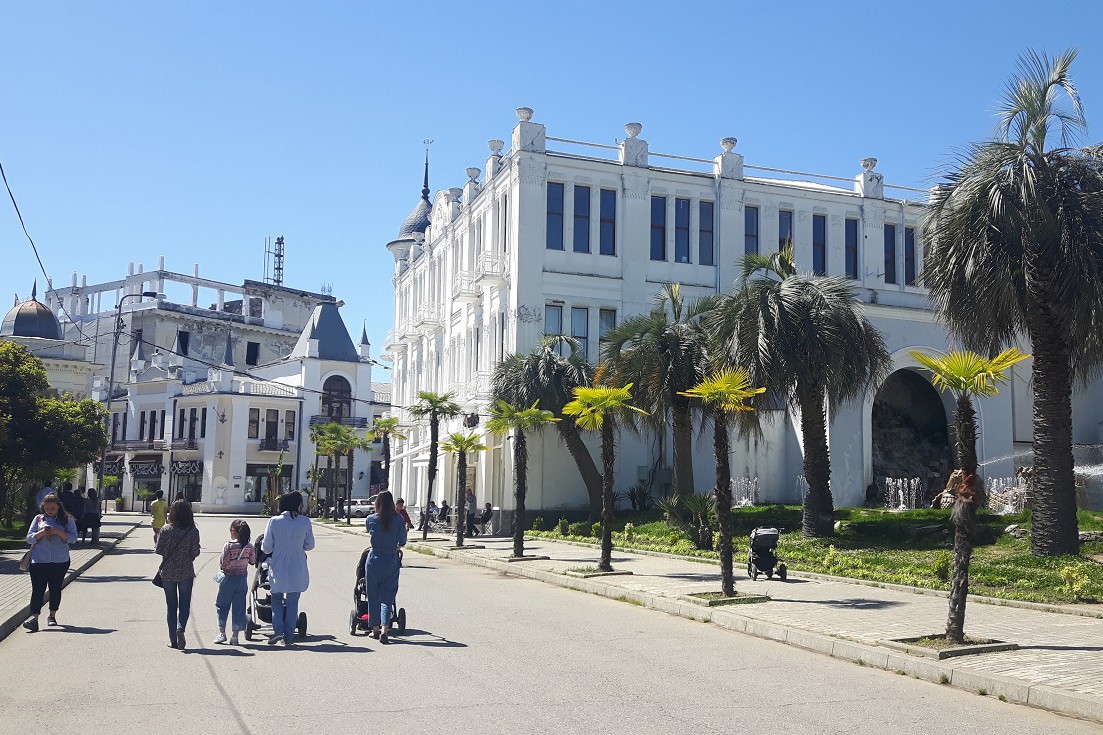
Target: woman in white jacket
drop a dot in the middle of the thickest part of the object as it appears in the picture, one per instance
(287, 538)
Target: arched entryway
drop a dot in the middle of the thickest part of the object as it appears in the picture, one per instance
(336, 398)
(911, 436)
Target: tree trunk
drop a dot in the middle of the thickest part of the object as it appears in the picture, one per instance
(723, 490)
(1052, 489)
(964, 515)
(818, 516)
(521, 485)
(461, 501)
(434, 429)
(330, 481)
(608, 460)
(568, 431)
(683, 447)
(348, 489)
(386, 462)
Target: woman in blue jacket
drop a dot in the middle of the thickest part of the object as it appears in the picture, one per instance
(287, 538)
(388, 533)
(50, 534)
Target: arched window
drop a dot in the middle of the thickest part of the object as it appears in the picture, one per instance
(336, 398)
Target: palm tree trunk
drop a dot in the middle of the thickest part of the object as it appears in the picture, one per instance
(521, 484)
(608, 460)
(723, 490)
(434, 433)
(329, 484)
(1052, 489)
(386, 462)
(348, 489)
(964, 516)
(683, 447)
(461, 500)
(818, 516)
(568, 431)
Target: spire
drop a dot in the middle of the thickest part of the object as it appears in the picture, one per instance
(228, 358)
(364, 335)
(34, 288)
(425, 183)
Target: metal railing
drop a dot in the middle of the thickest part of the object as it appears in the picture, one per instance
(463, 287)
(274, 445)
(176, 444)
(428, 317)
(357, 422)
(490, 266)
(132, 444)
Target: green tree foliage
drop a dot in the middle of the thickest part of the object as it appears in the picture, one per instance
(461, 445)
(508, 418)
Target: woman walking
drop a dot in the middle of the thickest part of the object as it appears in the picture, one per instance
(287, 538)
(92, 516)
(50, 534)
(178, 545)
(237, 555)
(388, 533)
(157, 510)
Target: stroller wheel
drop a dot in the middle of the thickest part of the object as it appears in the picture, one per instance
(402, 619)
(782, 572)
(249, 628)
(352, 623)
(769, 574)
(300, 626)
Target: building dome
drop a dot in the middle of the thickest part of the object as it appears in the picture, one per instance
(32, 318)
(418, 220)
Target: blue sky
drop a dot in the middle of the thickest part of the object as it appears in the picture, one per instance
(195, 130)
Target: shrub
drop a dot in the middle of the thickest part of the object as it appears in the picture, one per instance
(629, 533)
(582, 528)
(564, 527)
(595, 530)
(538, 523)
(683, 546)
(942, 566)
(832, 560)
(1075, 581)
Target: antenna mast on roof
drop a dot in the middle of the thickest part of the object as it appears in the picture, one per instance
(273, 258)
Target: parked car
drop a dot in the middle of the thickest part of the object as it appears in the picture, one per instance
(361, 507)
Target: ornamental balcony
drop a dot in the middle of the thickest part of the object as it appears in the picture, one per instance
(428, 318)
(464, 289)
(356, 422)
(392, 343)
(132, 445)
(164, 444)
(408, 330)
(491, 269)
(273, 445)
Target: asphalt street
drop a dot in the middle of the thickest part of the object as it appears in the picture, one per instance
(484, 653)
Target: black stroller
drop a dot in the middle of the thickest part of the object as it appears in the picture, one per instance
(259, 604)
(763, 555)
(360, 615)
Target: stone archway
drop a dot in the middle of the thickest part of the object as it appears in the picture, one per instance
(911, 436)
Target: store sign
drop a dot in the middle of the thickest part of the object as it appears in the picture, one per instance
(187, 467)
(146, 469)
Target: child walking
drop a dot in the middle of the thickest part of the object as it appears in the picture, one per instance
(237, 555)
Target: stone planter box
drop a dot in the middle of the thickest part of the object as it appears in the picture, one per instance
(588, 575)
(740, 598)
(526, 557)
(907, 645)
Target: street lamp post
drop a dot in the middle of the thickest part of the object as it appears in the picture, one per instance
(111, 382)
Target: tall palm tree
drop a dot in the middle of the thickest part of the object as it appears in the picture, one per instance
(1016, 248)
(724, 392)
(804, 338)
(664, 353)
(325, 438)
(386, 428)
(545, 375)
(461, 444)
(433, 406)
(596, 409)
(347, 442)
(966, 374)
(504, 419)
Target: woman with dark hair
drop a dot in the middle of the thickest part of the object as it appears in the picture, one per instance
(178, 545)
(49, 535)
(388, 533)
(92, 516)
(287, 538)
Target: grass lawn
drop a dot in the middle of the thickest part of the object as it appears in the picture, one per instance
(910, 547)
(13, 537)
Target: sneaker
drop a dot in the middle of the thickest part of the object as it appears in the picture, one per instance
(384, 638)
(51, 620)
(180, 640)
(275, 639)
(234, 641)
(31, 624)
(220, 638)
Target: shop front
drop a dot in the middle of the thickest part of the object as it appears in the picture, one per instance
(146, 474)
(258, 481)
(187, 479)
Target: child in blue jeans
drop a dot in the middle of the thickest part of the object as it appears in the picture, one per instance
(237, 555)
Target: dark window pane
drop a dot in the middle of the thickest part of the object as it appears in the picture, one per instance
(658, 228)
(750, 230)
(582, 219)
(784, 229)
(890, 253)
(608, 222)
(254, 423)
(553, 320)
(607, 319)
(681, 230)
(203, 424)
(252, 353)
(909, 256)
(580, 329)
(706, 228)
(555, 216)
(852, 248)
(183, 340)
(819, 244)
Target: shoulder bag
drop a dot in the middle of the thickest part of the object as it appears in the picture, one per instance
(157, 580)
(25, 562)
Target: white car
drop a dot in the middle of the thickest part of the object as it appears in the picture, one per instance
(361, 507)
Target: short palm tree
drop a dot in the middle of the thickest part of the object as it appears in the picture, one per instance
(596, 409)
(506, 418)
(966, 374)
(461, 444)
(1016, 248)
(724, 392)
(805, 338)
(348, 444)
(386, 428)
(545, 375)
(434, 407)
(663, 353)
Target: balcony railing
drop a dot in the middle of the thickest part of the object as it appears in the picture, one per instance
(393, 342)
(274, 445)
(130, 445)
(491, 268)
(428, 318)
(409, 330)
(463, 287)
(176, 444)
(356, 422)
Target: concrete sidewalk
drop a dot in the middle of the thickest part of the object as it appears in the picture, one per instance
(15, 586)
(1059, 665)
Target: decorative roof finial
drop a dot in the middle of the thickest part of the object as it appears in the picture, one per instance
(425, 184)
(34, 291)
(869, 163)
(364, 334)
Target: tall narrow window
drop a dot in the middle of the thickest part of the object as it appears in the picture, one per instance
(114, 427)
(555, 216)
(681, 230)
(608, 222)
(142, 425)
(501, 337)
(203, 423)
(909, 256)
(161, 427)
(180, 429)
(890, 253)
(581, 219)
(553, 323)
(289, 425)
(192, 418)
(706, 227)
(183, 341)
(254, 423)
(658, 228)
(271, 423)
(750, 230)
(252, 353)
(580, 330)
(852, 248)
(819, 244)
(607, 319)
(784, 229)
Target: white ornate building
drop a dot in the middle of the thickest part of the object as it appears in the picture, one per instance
(565, 237)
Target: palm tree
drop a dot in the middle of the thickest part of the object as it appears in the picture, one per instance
(506, 418)
(1016, 248)
(804, 338)
(435, 407)
(596, 409)
(724, 392)
(460, 444)
(546, 376)
(325, 438)
(346, 442)
(386, 428)
(966, 374)
(664, 353)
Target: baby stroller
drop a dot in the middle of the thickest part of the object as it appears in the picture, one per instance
(259, 605)
(763, 554)
(360, 615)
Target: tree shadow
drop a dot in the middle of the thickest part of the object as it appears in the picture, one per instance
(84, 630)
(1061, 648)
(228, 651)
(125, 551)
(114, 578)
(853, 603)
(326, 644)
(435, 641)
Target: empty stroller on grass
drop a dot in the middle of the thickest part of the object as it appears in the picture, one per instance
(259, 604)
(360, 615)
(763, 555)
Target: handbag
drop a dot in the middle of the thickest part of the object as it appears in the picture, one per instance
(25, 562)
(158, 581)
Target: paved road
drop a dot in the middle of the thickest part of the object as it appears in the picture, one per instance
(492, 654)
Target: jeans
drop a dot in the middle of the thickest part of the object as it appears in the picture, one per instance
(50, 575)
(178, 602)
(231, 596)
(381, 587)
(285, 612)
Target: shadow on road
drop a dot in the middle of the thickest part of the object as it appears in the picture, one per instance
(115, 578)
(84, 630)
(228, 651)
(435, 641)
(855, 603)
(1061, 648)
(121, 551)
